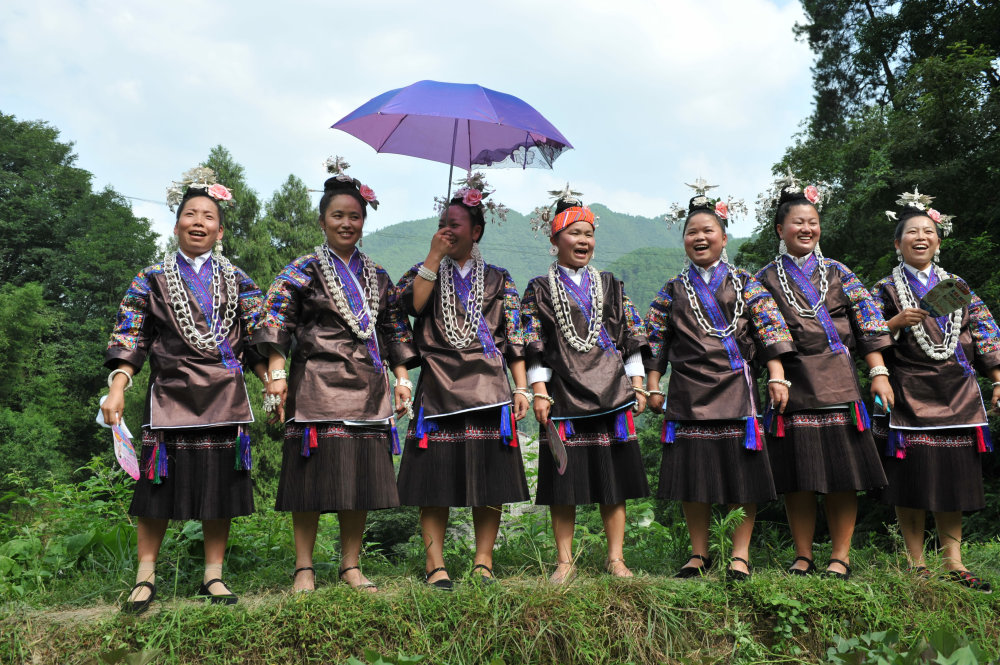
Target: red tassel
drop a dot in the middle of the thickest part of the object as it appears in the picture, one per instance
(562, 430)
(760, 434)
(313, 443)
(631, 423)
(423, 442)
(857, 418)
(513, 431)
(781, 426)
(980, 441)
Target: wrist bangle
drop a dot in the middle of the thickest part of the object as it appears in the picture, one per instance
(426, 273)
(878, 370)
(786, 383)
(655, 392)
(641, 391)
(111, 378)
(996, 384)
(545, 397)
(406, 383)
(278, 374)
(524, 391)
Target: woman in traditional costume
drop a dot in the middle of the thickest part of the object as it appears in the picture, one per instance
(462, 448)
(589, 384)
(341, 311)
(715, 325)
(823, 442)
(937, 427)
(192, 316)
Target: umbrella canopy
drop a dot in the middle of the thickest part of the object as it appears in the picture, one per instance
(464, 125)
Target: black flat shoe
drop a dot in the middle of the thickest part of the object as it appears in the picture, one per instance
(136, 607)
(967, 579)
(359, 587)
(733, 575)
(216, 599)
(695, 571)
(444, 584)
(485, 579)
(809, 569)
(840, 576)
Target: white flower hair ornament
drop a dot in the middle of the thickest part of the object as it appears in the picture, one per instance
(337, 167)
(922, 202)
(543, 216)
(200, 177)
(473, 191)
(787, 184)
(724, 208)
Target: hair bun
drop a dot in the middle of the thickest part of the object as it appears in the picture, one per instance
(792, 193)
(341, 182)
(566, 204)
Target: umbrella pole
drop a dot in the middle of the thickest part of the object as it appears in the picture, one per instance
(451, 164)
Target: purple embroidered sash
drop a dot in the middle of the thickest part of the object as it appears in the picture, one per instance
(200, 284)
(706, 295)
(356, 299)
(463, 288)
(581, 296)
(942, 321)
(801, 279)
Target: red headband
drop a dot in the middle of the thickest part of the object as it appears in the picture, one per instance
(571, 215)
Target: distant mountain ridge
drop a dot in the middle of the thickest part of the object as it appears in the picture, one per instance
(642, 251)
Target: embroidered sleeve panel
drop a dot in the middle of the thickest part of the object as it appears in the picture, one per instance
(635, 327)
(404, 291)
(657, 326)
(880, 292)
(772, 331)
(512, 316)
(984, 331)
(395, 330)
(251, 315)
(867, 314)
(131, 337)
(531, 323)
(279, 316)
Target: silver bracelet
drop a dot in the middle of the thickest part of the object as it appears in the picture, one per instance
(406, 383)
(111, 377)
(878, 370)
(545, 397)
(996, 383)
(656, 392)
(784, 382)
(278, 374)
(426, 273)
(524, 391)
(642, 391)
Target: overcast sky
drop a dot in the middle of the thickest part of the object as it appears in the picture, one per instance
(651, 93)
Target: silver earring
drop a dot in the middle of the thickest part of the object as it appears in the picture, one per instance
(724, 257)
(782, 247)
(937, 255)
(899, 256)
(553, 250)
(217, 250)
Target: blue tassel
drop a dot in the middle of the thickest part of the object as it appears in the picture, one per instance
(751, 441)
(895, 444)
(161, 462)
(768, 417)
(395, 440)
(983, 439)
(305, 442)
(669, 430)
(243, 459)
(621, 426)
(864, 415)
(505, 432)
(421, 425)
(568, 428)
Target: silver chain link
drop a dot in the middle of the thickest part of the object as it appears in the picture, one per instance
(824, 286)
(560, 303)
(336, 286)
(222, 270)
(696, 304)
(461, 335)
(952, 329)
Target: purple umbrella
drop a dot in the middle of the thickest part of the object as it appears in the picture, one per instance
(460, 124)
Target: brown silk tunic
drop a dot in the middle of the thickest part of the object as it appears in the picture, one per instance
(932, 394)
(703, 385)
(188, 387)
(583, 384)
(819, 376)
(454, 380)
(332, 376)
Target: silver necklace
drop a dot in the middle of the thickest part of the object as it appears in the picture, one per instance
(696, 304)
(560, 303)
(461, 335)
(222, 270)
(336, 286)
(824, 286)
(952, 329)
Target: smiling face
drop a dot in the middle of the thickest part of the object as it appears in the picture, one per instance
(800, 229)
(575, 245)
(918, 241)
(198, 226)
(460, 231)
(342, 224)
(704, 239)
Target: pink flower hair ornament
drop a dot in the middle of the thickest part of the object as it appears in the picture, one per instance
(200, 177)
(337, 167)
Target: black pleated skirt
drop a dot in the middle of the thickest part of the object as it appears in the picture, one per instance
(942, 470)
(465, 463)
(708, 463)
(823, 451)
(202, 482)
(601, 468)
(350, 469)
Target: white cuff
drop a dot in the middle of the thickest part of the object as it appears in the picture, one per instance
(634, 366)
(539, 373)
